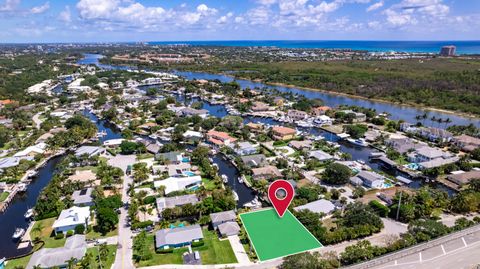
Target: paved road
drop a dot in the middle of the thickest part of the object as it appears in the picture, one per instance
(36, 119)
(459, 253)
(123, 259)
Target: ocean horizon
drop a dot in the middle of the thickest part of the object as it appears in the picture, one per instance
(463, 47)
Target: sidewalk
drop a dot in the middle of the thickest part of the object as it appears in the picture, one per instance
(242, 256)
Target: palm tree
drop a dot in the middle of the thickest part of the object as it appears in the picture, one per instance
(71, 263)
(433, 119)
(143, 209)
(447, 121)
(103, 250)
(37, 230)
(424, 117)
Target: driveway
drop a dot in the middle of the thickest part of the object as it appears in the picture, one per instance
(123, 259)
(242, 256)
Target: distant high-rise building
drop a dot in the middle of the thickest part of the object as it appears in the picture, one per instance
(448, 51)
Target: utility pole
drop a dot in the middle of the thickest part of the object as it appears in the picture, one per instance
(399, 202)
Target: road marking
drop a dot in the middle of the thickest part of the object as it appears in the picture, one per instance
(464, 242)
(443, 249)
(420, 255)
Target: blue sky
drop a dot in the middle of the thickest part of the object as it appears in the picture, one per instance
(164, 20)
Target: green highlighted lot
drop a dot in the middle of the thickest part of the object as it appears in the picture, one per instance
(274, 237)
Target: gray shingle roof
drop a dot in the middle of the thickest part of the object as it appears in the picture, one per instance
(319, 206)
(75, 247)
(82, 196)
(178, 236)
(170, 202)
(229, 228)
(223, 216)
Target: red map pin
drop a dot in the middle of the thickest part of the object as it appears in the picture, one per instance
(281, 203)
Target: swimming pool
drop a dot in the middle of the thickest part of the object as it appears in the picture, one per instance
(186, 159)
(189, 173)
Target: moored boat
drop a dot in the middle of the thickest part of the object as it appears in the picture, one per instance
(359, 142)
(225, 178)
(29, 213)
(19, 232)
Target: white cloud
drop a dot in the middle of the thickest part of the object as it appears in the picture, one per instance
(9, 5)
(40, 9)
(375, 6)
(412, 12)
(65, 15)
(95, 9)
(266, 2)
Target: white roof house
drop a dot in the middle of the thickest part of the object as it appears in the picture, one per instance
(113, 142)
(89, 150)
(70, 218)
(320, 155)
(192, 134)
(319, 206)
(178, 183)
(32, 150)
(12, 161)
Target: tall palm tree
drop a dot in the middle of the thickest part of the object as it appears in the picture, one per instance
(37, 230)
(424, 117)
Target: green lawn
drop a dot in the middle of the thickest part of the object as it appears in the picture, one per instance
(209, 184)
(273, 237)
(18, 263)
(106, 263)
(50, 241)
(213, 251)
(3, 196)
(96, 235)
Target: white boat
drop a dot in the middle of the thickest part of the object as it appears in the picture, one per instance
(359, 142)
(240, 180)
(29, 213)
(225, 178)
(31, 173)
(102, 133)
(235, 195)
(253, 204)
(153, 136)
(19, 232)
(361, 161)
(22, 187)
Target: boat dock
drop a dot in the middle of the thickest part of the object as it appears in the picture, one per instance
(26, 240)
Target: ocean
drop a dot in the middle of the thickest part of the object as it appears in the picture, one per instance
(463, 47)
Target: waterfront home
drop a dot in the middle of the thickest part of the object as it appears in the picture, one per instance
(83, 197)
(368, 179)
(300, 145)
(171, 202)
(426, 153)
(228, 229)
(256, 160)
(113, 143)
(466, 143)
(222, 217)
(283, 133)
(255, 127)
(267, 173)
(32, 151)
(408, 128)
(173, 170)
(70, 218)
(219, 138)
(320, 110)
(173, 157)
(243, 148)
(438, 162)
(13, 161)
(177, 237)
(464, 178)
(358, 116)
(260, 106)
(75, 247)
(297, 114)
(188, 111)
(89, 151)
(179, 183)
(403, 145)
(320, 206)
(320, 155)
(435, 134)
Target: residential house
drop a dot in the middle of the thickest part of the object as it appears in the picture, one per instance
(436, 134)
(358, 116)
(8, 162)
(320, 206)
(173, 157)
(267, 173)
(83, 197)
(173, 170)
(75, 247)
(320, 110)
(426, 153)
(255, 127)
(368, 179)
(70, 218)
(320, 155)
(113, 143)
(243, 148)
(300, 145)
(178, 237)
(32, 151)
(179, 183)
(228, 229)
(222, 217)
(89, 151)
(171, 202)
(466, 143)
(323, 120)
(283, 133)
(192, 135)
(260, 106)
(219, 138)
(256, 160)
(188, 111)
(297, 114)
(464, 178)
(403, 145)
